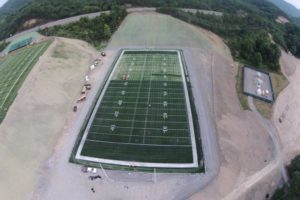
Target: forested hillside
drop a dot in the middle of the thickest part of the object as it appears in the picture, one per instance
(94, 31)
(45, 10)
(287, 8)
(12, 6)
(292, 191)
(245, 25)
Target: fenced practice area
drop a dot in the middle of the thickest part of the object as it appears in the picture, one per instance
(14, 68)
(143, 116)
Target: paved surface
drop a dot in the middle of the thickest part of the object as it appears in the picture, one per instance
(251, 81)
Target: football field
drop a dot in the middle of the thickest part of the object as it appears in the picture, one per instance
(143, 115)
(14, 68)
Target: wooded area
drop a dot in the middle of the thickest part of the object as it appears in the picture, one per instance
(291, 192)
(93, 31)
(248, 43)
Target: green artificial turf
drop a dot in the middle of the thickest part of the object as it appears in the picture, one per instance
(142, 81)
(14, 69)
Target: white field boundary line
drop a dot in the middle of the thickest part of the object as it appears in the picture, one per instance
(10, 59)
(78, 153)
(138, 164)
(138, 96)
(177, 93)
(192, 131)
(8, 70)
(25, 68)
(139, 144)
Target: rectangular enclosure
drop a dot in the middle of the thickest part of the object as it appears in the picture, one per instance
(143, 114)
(258, 84)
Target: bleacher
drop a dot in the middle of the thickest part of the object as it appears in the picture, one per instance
(20, 44)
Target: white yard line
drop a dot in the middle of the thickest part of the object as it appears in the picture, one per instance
(110, 107)
(129, 127)
(21, 74)
(181, 104)
(176, 93)
(153, 136)
(128, 120)
(147, 110)
(139, 144)
(137, 98)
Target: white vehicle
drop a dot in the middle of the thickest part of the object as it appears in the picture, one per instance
(91, 170)
(85, 169)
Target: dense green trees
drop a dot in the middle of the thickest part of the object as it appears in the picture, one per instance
(247, 42)
(291, 192)
(94, 30)
(46, 10)
(3, 45)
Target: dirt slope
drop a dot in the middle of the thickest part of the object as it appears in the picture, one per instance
(38, 115)
(287, 108)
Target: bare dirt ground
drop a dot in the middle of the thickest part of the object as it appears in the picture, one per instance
(282, 20)
(38, 115)
(245, 147)
(287, 108)
(247, 166)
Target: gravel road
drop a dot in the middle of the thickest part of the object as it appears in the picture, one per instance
(73, 19)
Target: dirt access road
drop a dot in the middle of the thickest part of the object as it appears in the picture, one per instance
(287, 107)
(70, 20)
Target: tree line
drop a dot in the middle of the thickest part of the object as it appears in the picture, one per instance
(292, 191)
(93, 31)
(45, 11)
(248, 43)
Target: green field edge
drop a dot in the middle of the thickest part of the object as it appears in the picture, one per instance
(200, 169)
(12, 97)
